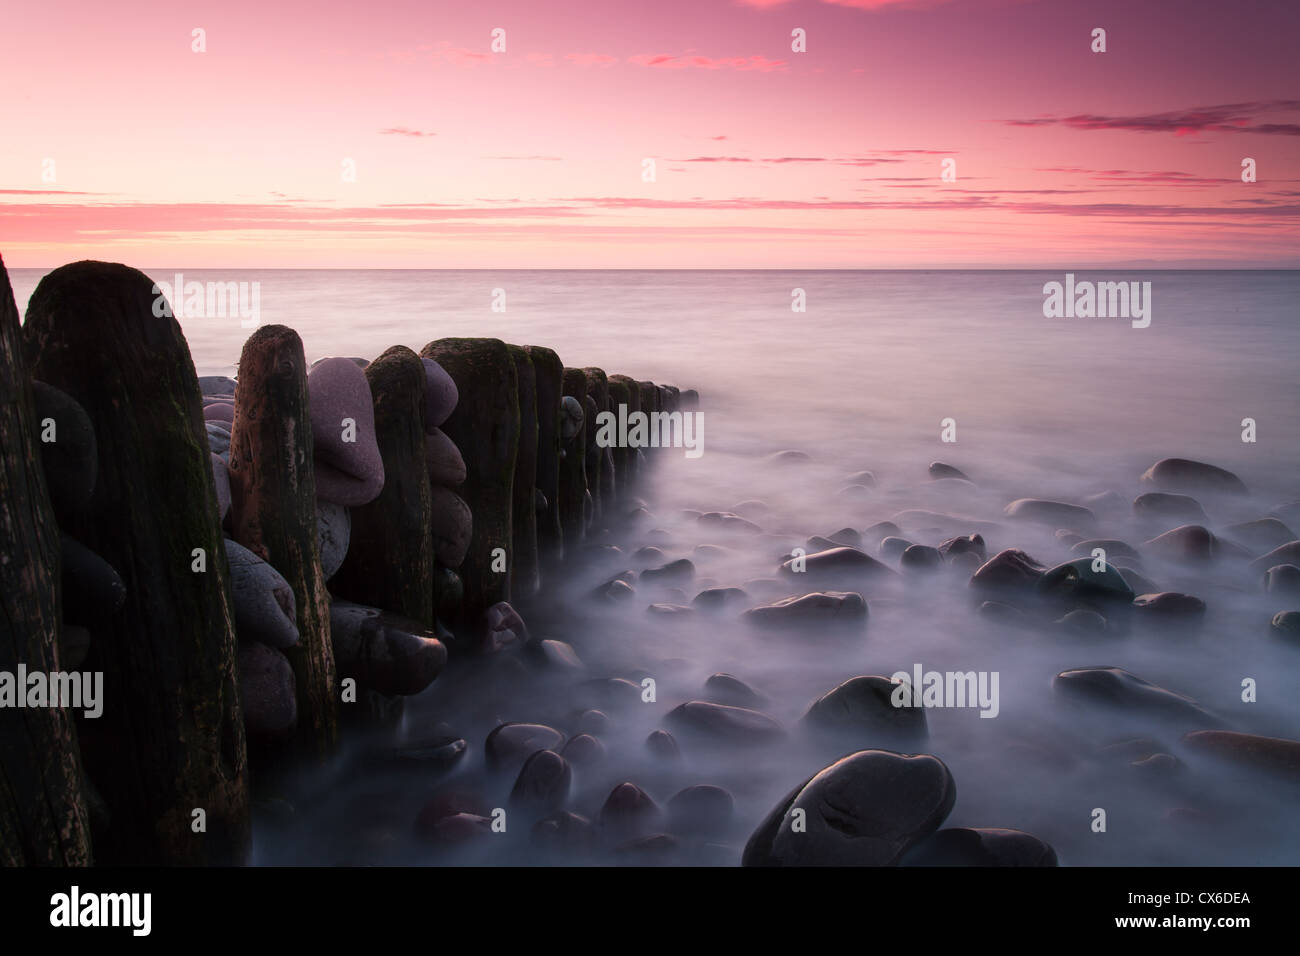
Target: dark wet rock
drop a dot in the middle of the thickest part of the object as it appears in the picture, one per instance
(564, 831)
(663, 745)
(1055, 513)
(349, 468)
(264, 604)
(560, 655)
(752, 507)
(966, 846)
(789, 457)
(267, 691)
(385, 652)
(218, 438)
(945, 523)
(216, 385)
(453, 526)
(714, 599)
(1077, 581)
(818, 608)
(674, 572)
(1288, 553)
(443, 459)
(334, 534)
(648, 555)
(1273, 755)
(670, 610)
(846, 536)
(818, 543)
(221, 481)
(1009, 570)
(584, 750)
(723, 722)
(572, 418)
(967, 544)
(1106, 502)
(440, 394)
(629, 811)
(92, 588)
(543, 783)
(1190, 543)
(592, 721)
(503, 627)
(1158, 766)
(840, 562)
(939, 469)
(74, 645)
(920, 557)
(893, 547)
(1137, 582)
(1182, 474)
(1113, 547)
(1082, 623)
(1286, 624)
(615, 589)
(1003, 614)
(864, 706)
(866, 809)
(1116, 687)
(219, 412)
(1282, 580)
(611, 692)
(509, 744)
(881, 530)
(1068, 538)
(727, 521)
(1262, 534)
(729, 689)
(71, 461)
(703, 808)
(1169, 606)
(1162, 505)
(452, 829)
(436, 754)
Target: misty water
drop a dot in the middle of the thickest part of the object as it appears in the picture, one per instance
(861, 380)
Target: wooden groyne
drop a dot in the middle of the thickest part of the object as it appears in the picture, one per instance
(255, 566)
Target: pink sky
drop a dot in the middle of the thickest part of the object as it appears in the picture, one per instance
(765, 157)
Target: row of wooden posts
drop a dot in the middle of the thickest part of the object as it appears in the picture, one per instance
(171, 740)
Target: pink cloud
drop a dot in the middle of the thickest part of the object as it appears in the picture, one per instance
(1225, 118)
(591, 59)
(404, 131)
(755, 63)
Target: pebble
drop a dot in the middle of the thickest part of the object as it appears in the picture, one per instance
(881, 530)
(92, 588)
(1169, 606)
(1161, 505)
(819, 607)
(1261, 535)
(629, 811)
(218, 439)
(1273, 755)
(71, 461)
(334, 534)
(264, 603)
(663, 745)
(504, 627)
(674, 572)
(969, 846)
(452, 526)
(1282, 579)
(789, 457)
(939, 469)
(839, 563)
(349, 468)
(1009, 570)
(866, 809)
(571, 422)
(584, 750)
(865, 707)
(969, 544)
(385, 652)
(219, 412)
(510, 744)
(716, 599)
(1286, 624)
(729, 689)
(1288, 553)
(440, 394)
(893, 547)
(921, 557)
(1182, 474)
(445, 463)
(1078, 580)
(1116, 687)
(210, 385)
(1056, 513)
(728, 521)
(267, 690)
(723, 722)
(702, 808)
(1190, 543)
(543, 783)
(863, 478)
(221, 482)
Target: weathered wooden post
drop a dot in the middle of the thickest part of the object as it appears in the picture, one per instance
(43, 816)
(600, 461)
(620, 397)
(485, 427)
(573, 466)
(549, 371)
(273, 514)
(170, 740)
(389, 564)
(524, 579)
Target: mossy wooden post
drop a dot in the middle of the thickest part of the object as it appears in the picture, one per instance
(600, 462)
(43, 816)
(389, 564)
(621, 391)
(170, 739)
(485, 427)
(273, 514)
(524, 579)
(549, 372)
(651, 402)
(573, 466)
